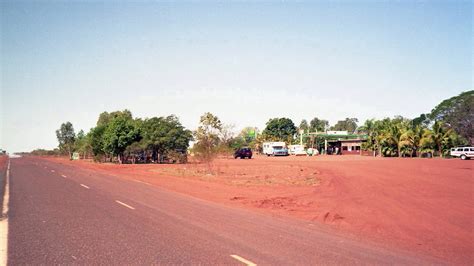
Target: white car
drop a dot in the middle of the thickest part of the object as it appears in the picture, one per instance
(462, 152)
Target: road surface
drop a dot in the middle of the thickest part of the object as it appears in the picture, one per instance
(60, 214)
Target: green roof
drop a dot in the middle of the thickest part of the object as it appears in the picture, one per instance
(337, 137)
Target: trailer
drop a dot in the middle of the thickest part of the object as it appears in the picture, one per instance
(275, 148)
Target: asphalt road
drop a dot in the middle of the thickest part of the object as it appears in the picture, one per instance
(64, 215)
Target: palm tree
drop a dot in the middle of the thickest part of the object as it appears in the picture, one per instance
(407, 142)
(426, 142)
(441, 136)
(393, 135)
(390, 137)
(417, 136)
(410, 140)
(382, 137)
(370, 128)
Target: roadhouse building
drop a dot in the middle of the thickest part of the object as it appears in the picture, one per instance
(338, 142)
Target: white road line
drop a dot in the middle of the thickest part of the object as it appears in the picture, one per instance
(6, 196)
(123, 204)
(244, 261)
(85, 186)
(64, 176)
(139, 181)
(4, 220)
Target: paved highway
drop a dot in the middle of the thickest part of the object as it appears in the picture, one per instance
(64, 215)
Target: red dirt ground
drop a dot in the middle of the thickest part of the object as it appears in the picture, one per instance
(423, 205)
(3, 163)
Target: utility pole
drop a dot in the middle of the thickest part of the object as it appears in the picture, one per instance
(301, 136)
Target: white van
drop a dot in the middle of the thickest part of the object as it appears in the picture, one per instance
(275, 148)
(296, 150)
(462, 152)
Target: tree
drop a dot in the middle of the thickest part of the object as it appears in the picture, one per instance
(303, 125)
(403, 137)
(423, 121)
(96, 140)
(164, 136)
(440, 136)
(207, 137)
(426, 143)
(371, 129)
(136, 150)
(391, 135)
(66, 137)
(281, 129)
(349, 125)
(318, 125)
(226, 135)
(105, 117)
(457, 113)
(96, 137)
(120, 132)
(82, 143)
(410, 140)
(157, 138)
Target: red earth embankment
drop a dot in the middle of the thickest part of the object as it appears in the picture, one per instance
(423, 205)
(3, 162)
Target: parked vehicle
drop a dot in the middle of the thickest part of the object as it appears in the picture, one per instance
(464, 153)
(312, 152)
(275, 149)
(243, 153)
(296, 150)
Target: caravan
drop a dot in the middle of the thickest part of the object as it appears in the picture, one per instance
(275, 149)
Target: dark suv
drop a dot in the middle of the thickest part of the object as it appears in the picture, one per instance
(242, 153)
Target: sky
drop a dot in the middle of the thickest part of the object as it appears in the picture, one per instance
(245, 62)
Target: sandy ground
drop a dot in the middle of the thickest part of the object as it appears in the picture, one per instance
(422, 205)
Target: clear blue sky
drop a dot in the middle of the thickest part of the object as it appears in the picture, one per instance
(244, 62)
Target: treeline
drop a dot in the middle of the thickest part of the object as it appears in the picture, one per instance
(448, 125)
(405, 138)
(44, 152)
(119, 137)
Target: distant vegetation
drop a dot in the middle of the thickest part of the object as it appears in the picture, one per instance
(280, 129)
(118, 137)
(208, 137)
(401, 137)
(66, 137)
(449, 124)
(43, 152)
